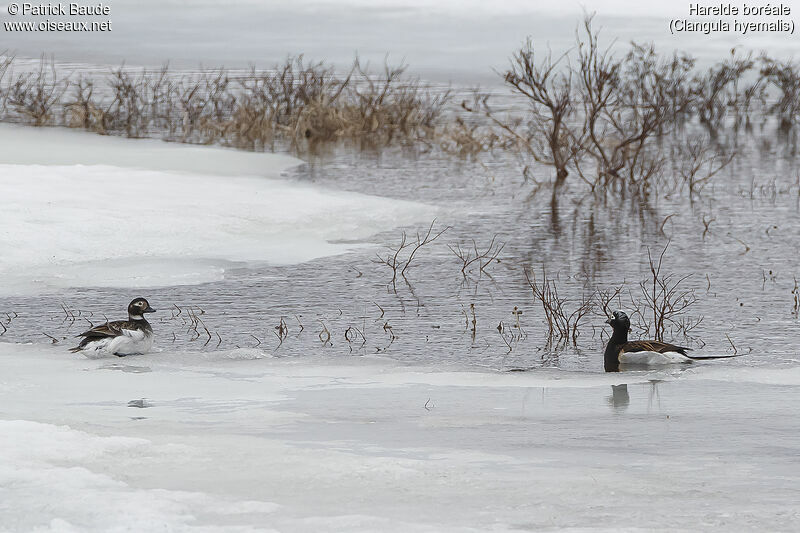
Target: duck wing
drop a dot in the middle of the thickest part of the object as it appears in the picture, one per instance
(665, 347)
(653, 346)
(109, 329)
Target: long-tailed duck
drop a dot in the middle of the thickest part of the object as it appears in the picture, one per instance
(121, 337)
(620, 351)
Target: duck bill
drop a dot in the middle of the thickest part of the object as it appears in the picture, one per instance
(609, 321)
(149, 310)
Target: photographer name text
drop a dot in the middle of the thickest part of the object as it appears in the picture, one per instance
(67, 10)
(66, 17)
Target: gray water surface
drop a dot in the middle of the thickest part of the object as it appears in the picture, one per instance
(742, 271)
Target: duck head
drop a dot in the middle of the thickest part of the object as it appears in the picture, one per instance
(620, 322)
(138, 307)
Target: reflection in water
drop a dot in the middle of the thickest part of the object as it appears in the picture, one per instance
(126, 368)
(654, 396)
(555, 221)
(619, 398)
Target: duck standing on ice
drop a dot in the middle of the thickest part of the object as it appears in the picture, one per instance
(621, 351)
(121, 337)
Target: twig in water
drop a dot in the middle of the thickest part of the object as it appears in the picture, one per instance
(517, 312)
(606, 296)
(324, 335)
(281, 331)
(427, 239)
(351, 334)
(663, 222)
(474, 320)
(735, 351)
(388, 328)
(399, 265)
(469, 256)
(466, 316)
(664, 299)
(746, 247)
(392, 261)
(562, 325)
(501, 331)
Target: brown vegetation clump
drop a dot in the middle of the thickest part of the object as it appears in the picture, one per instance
(297, 103)
(33, 96)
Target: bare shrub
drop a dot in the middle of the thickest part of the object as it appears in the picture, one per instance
(305, 101)
(302, 103)
(83, 110)
(158, 99)
(191, 104)
(662, 301)
(128, 107)
(717, 91)
(549, 139)
(6, 61)
(614, 109)
(696, 161)
(471, 256)
(785, 77)
(34, 96)
(467, 140)
(250, 125)
(400, 258)
(220, 103)
(305, 104)
(469, 135)
(605, 300)
(628, 105)
(390, 106)
(563, 317)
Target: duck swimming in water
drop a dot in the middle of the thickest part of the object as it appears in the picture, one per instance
(621, 351)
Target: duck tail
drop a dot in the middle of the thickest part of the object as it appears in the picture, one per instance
(707, 357)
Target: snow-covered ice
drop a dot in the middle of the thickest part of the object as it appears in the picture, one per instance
(243, 441)
(78, 209)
